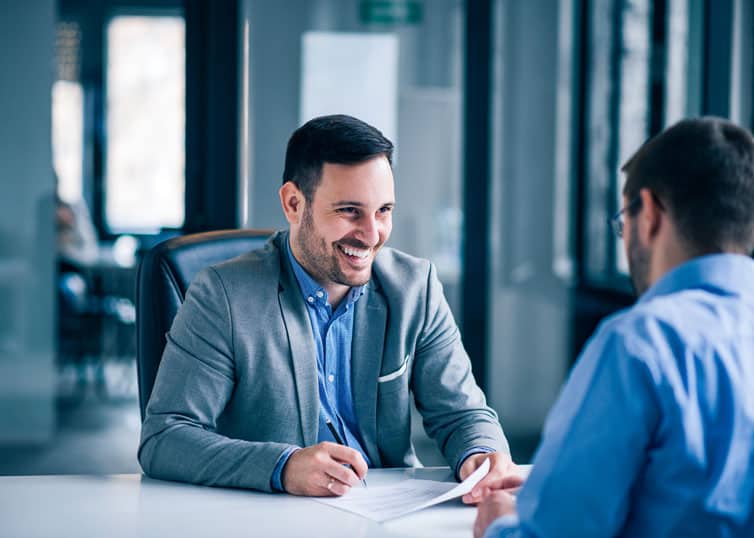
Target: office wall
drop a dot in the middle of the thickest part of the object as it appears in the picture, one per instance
(27, 248)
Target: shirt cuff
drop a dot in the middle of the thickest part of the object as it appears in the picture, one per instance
(470, 452)
(277, 474)
(503, 527)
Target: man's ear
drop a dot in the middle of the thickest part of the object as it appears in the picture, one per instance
(293, 202)
(651, 216)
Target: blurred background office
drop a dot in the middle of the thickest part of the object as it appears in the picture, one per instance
(125, 122)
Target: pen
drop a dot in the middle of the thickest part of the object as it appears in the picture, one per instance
(338, 440)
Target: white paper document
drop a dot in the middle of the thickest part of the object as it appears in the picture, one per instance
(381, 503)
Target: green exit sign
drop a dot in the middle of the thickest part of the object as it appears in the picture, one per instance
(387, 12)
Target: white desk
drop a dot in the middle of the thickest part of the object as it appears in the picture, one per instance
(137, 506)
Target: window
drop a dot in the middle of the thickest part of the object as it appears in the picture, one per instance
(642, 74)
(145, 156)
(68, 114)
(68, 138)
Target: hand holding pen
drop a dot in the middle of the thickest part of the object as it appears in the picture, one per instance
(323, 469)
(339, 440)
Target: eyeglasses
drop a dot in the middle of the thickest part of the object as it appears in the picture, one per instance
(617, 222)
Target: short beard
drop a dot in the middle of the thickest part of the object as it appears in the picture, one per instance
(317, 257)
(638, 262)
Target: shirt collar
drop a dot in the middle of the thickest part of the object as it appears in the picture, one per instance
(729, 274)
(312, 292)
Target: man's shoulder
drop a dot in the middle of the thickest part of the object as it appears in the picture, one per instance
(642, 319)
(256, 269)
(691, 319)
(393, 268)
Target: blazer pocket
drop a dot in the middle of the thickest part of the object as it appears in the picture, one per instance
(396, 373)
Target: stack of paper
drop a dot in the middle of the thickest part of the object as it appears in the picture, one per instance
(381, 503)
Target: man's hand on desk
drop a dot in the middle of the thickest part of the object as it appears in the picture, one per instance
(497, 504)
(502, 475)
(320, 470)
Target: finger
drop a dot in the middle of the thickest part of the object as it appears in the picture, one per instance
(349, 456)
(498, 503)
(341, 473)
(335, 487)
(470, 498)
(500, 482)
(360, 467)
(484, 485)
(512, 481)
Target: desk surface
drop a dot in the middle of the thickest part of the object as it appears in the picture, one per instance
(134, 505)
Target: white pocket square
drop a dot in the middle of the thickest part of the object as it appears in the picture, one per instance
(397, 373)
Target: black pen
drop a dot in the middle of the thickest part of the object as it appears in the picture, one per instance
(338, 440)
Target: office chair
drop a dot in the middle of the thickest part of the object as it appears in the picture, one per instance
(164, 276)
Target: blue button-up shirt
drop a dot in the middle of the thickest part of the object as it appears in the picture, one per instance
(333, 334)
(653, 435)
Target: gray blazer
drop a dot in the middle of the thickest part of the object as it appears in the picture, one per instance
(237, 384)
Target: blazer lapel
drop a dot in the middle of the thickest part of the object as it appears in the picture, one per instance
(366, 360)
(303, 353)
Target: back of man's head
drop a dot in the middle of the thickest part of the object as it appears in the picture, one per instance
(702, 171)
(337, 139)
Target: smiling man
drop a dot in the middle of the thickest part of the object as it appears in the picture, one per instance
(292, 368)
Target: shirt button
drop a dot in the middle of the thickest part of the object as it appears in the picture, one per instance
(331, 378)
(320, 294)
(310, 299)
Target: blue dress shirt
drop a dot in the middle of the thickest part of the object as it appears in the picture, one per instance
(333, 334)
(653, 434)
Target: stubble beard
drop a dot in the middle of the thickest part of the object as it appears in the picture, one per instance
(320, 259)
(638, 262)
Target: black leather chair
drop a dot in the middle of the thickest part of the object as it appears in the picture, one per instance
(164, 276)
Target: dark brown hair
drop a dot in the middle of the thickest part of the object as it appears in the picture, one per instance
(702, 170)
(337, 139)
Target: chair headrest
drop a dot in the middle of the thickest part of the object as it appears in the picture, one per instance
(165, 273)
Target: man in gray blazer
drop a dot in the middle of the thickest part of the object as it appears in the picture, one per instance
(291, 368)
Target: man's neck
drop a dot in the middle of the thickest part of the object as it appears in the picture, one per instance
(336, 296)
(335, 292)
(669, 254)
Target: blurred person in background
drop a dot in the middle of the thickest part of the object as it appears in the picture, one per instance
(76, 235)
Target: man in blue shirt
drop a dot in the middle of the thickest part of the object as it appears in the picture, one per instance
(653, 434)
(292, 368)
